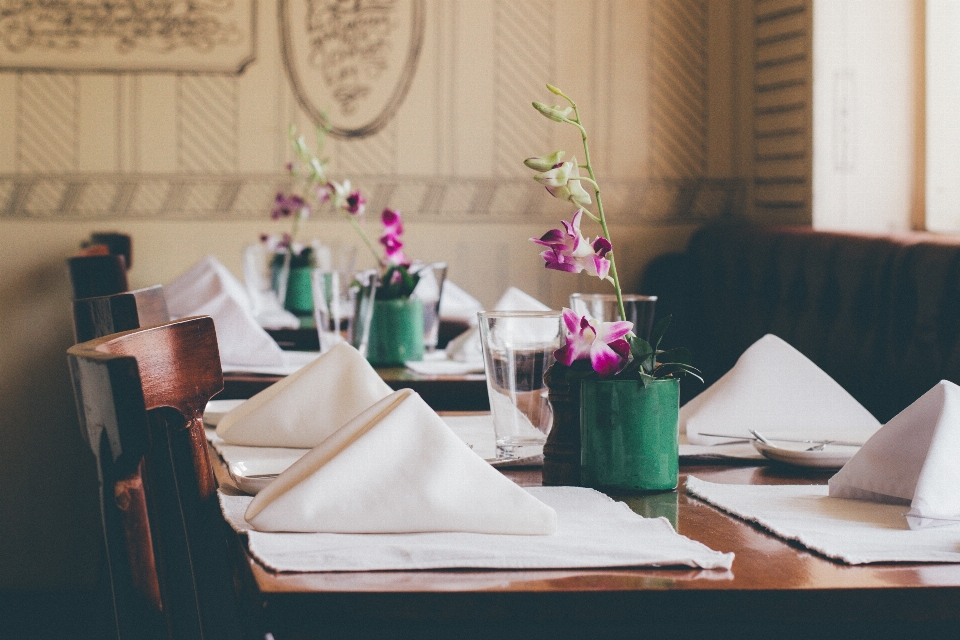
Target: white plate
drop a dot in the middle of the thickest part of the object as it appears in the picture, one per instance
(833, 456)
(216, 409)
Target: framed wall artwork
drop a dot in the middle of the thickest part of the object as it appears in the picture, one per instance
(350, 64)
(117, 36)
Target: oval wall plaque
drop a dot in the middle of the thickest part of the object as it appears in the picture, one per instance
(351, 63)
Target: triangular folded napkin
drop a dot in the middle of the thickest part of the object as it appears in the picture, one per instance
(457, 304)
(466, 347)
(397, 468)
(912, 461)
(303, 409)
(209, 289)
(776, 390)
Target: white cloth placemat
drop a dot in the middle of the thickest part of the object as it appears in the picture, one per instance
(593, 531)
(852, 531)
(293, 361)
(435, 367)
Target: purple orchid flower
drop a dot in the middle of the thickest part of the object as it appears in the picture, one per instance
(352, 202)
(567, 249)
(601, 342)
(392, 230)
(392, 222)
(285, 206)
(356, 204)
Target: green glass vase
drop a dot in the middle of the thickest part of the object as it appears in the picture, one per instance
(629, 434)
(396, 332)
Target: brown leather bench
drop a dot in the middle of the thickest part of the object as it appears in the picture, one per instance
(878, 313)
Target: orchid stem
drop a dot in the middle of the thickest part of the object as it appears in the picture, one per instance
(582, 179)
(603, 218)
(365, 238)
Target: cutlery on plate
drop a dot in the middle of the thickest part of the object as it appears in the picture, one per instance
(767, 439)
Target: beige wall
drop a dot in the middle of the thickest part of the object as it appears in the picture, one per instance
(188, 163)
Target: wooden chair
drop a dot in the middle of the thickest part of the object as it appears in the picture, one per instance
(103, 315)
(114, 243)
(95, 318)
(140, 397)
(97, 275)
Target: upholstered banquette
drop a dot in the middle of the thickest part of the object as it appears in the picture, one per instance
(878, 313)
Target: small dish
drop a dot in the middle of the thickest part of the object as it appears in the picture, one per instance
(832, 456)
(251, 476)
(216, 409)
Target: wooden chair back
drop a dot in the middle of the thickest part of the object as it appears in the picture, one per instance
(97, 275)
(140, 397)
(103, 315)
(118, 244)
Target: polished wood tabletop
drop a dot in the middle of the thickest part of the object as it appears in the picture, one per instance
(774, 587)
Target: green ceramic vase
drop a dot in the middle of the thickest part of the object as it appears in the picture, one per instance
(299, 298)
(629, 434)
(396, 332)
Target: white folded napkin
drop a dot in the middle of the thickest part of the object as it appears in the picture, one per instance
(457, 304)
(396, 468)
(466, 347)
(912, 461)
(304, 408)
(209, 289)
(776, 390)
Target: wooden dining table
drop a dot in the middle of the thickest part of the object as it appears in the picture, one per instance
(464, 392)
(775, 589)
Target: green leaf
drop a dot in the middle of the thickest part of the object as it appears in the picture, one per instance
(646, 379)
(641, 353)
(658, 330)
(671, 368)
(640, 349)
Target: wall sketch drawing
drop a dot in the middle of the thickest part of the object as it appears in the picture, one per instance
(350, 64)
(203, 36)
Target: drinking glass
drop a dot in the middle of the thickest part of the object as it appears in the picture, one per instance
(603, 308)
(429, 290)
(342, 307)
(518, 349)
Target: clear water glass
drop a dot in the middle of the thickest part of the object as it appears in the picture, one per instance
(603, 308)
(342, 307)
(518, 349)
(429, 290)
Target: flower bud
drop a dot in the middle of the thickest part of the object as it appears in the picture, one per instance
(545, 163)
(555, 113)
(554, 90)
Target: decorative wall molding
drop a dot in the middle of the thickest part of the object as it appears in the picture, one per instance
(177, 145)
(249, 197)
(205, 36)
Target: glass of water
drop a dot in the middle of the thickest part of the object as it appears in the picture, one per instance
(518, 349)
